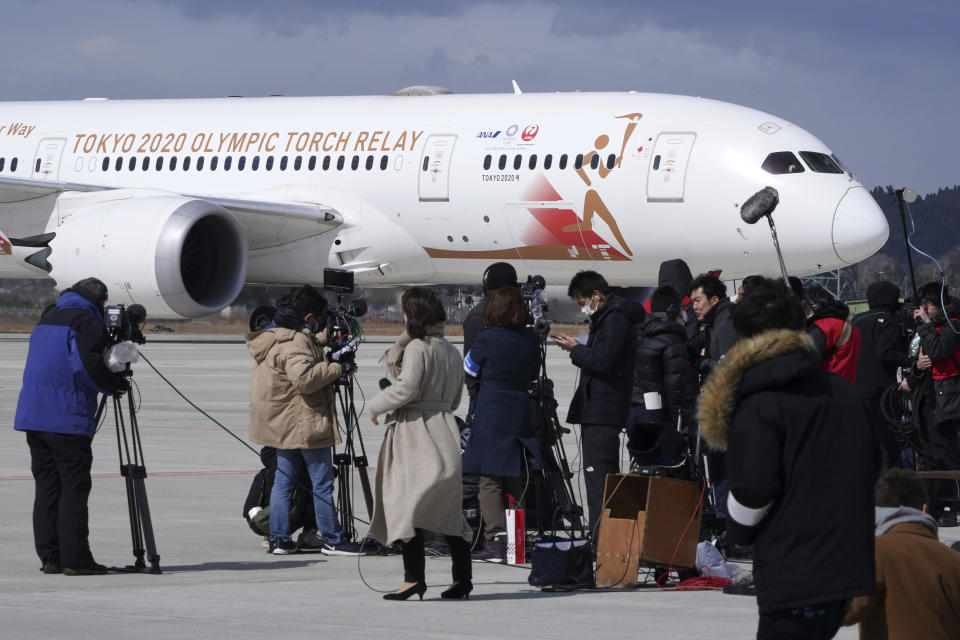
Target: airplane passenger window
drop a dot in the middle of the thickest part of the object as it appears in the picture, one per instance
(487, 159)
(103, 165)
(145, 164)
(297, 163)
(226, 163)
(13, 163)
(426, 162)
(312, 163)
(820, 162)
(502, 163)
(780, 162)
(118, 164)
(213, 163)
(186, 163)
(159, 163)
(369, 163)
(547, 161)
(132, 164)
(563, 162)
(595, 161)
(241, 163)
(532, 164)
(340, 162)
(326, 162)
(517, 161)
(173, 163)
(384, 161)
(37, 168)
(354, 163)
(2, 161)
(255, 164)
(269, 164)
(283, 163)
(611, 161)
(578, 163)
(200, 163)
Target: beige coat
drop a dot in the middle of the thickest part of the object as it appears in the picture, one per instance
(292, 402)
(418, 482)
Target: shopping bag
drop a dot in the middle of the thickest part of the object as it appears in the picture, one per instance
(516, 533)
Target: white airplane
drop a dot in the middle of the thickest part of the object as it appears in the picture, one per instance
(175, 204)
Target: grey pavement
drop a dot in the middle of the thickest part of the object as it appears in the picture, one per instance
(218, 581)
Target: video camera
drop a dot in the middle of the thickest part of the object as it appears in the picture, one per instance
(343, 330)
(125, 323)
(532, 292)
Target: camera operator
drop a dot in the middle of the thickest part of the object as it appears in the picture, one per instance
(293, 409)
(57, 409)
(936, 381)
(883, 349)
(503, 360)
(601, 403)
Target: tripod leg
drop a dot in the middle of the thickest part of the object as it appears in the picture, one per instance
(147, 524)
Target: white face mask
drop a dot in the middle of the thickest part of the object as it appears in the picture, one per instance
(587, 309)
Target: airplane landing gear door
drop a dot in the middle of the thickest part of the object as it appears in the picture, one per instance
(435, 168)
(668, 167)
(46, 166)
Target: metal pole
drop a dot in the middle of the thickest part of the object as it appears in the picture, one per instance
(906, 243)
(776, 245)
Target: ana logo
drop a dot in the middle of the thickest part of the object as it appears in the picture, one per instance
(530, 132)
(488, 134)
(512, 130)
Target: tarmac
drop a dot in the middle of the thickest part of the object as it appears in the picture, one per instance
(217, 580)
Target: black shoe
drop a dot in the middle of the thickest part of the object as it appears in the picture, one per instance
(310, 539)
(89, 570)
(493, 551)
(419, 588)
(50, 567)
(459, 591)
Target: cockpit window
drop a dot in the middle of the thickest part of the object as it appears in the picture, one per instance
(820, 162)
(781, 162)
(842, 166)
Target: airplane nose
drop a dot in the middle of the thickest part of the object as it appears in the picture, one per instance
(859, 226)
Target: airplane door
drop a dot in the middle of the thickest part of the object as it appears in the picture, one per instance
(46, 166)
(668, 167)
(435, 168)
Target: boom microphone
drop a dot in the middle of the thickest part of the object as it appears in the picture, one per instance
(760, 204)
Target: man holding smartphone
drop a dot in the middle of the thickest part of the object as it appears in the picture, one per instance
(601, 403)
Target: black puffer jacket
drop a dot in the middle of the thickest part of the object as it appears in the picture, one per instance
(661, 363)
(606, 365)
(883, 347)
(800, 468)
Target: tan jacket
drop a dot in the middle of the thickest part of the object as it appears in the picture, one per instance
(918, 589)
(292, 401)
(418, 480)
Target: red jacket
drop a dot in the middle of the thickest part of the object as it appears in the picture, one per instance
(842, 347)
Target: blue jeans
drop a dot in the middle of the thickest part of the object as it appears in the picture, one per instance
(320, 469)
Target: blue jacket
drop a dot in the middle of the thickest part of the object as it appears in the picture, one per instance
(65, 372)
(504, 360)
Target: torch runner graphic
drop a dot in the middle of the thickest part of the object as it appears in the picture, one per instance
(592, 202)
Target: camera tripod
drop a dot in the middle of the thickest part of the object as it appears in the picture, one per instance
(554, 480)
(349, 458)
(134, 473)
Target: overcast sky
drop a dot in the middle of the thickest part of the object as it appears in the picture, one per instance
(877, 81)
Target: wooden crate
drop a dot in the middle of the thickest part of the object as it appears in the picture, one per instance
(641, 525)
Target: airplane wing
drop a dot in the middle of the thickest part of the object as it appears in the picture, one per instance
(267, 223)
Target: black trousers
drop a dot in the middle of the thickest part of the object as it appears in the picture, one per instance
(414, 561)
(61, 469)
(601, 456)
(816, 622)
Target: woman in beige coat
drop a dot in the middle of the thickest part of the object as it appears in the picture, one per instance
(418, 482)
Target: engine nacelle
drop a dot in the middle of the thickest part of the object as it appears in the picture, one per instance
(176, 256)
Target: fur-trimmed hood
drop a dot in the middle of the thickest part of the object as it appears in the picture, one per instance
(748, 368)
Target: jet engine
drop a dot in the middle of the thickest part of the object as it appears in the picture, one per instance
(176, 256)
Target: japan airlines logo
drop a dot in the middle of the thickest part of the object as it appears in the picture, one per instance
(530, 132)
(5, 248)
